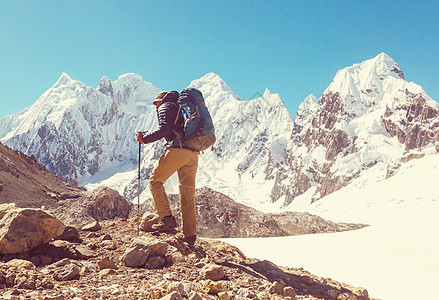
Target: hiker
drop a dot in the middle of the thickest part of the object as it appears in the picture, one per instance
(177, 158)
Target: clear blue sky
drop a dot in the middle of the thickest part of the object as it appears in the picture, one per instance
(293, 48)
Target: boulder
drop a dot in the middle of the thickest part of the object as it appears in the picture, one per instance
(66, 273)
(147, 221)
(108, 204)
(21, 263)
(141, 249)
(106, 263)
(84, 252)
(213, 272)
(176, 287)
(289, 292)
(276, 288)
(94, 226)
(22, 229)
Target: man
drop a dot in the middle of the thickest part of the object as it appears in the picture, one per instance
(177, 158)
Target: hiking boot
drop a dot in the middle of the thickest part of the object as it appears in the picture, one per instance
(187, 239)
(168, 223)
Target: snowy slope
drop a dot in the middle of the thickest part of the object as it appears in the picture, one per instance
(368, 117)
(394, 258)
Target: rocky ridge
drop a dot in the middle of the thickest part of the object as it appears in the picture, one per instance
(219, 216)
(114, 260)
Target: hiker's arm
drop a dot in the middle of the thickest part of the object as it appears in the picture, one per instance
(166, 125)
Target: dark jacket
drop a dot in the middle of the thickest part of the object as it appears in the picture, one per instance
(166, 114)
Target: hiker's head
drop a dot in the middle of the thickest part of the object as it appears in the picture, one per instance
(158, 98)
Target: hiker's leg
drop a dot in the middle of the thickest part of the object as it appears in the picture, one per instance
(186, 178)
(167, 165)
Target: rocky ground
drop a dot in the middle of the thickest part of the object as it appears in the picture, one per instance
(93, 265)
(219, 216)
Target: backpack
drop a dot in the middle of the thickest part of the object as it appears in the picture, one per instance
(199, 133)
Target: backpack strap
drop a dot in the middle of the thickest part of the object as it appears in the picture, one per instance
(178, 112)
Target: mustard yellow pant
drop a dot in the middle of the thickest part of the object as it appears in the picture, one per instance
(185, 163)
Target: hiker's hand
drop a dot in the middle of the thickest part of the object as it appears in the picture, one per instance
(139, 137)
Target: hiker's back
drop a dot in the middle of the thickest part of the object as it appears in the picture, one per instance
(199, 132)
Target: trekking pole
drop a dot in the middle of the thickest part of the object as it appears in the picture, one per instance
(138, 188)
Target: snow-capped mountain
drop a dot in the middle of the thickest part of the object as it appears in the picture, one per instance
(86, 135)
(369, 117)
(77, 131)
(251, 140)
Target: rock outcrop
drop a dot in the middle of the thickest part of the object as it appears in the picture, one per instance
(415, 123)
(22, 229)
(108, 204)
(369, 117)
(219, 216)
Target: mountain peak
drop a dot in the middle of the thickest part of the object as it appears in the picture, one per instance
(211, 77)
(210, 82)
(364, 76)
(129, 77)
(105, 86)
(63, 79)
(385, 65)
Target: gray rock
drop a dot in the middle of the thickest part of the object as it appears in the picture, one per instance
(66, 273)
(141, 248)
